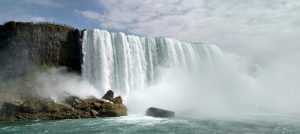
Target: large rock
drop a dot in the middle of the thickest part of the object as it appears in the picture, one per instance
(73, 107)
(157, 112)
(109, 95)
(9, 108)
(117, 100)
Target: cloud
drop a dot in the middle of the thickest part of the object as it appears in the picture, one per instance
(232, 24)
(38, 19)
(47, 3)
(90, 14)
(25, 18)
(27, 10)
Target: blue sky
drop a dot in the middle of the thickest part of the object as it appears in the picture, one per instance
(59, 11)
(231, 24)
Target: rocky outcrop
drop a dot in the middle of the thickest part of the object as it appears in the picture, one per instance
(109, 95)
(157, 112)
(23, 45)
(72, 108)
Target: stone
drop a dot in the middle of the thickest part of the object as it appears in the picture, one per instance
(157, 112)
(117, 100)
(55, 107)
(94, 112)
(77, 101)
(28, 107)
(109, 95)
(9, 108)
(72, 107)
(112, 110)
(73, 100)
(97, 105)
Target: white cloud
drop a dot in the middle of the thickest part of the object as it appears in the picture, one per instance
(48, 3)
(90, 14)
(24, 12)
(38, 19)
(24, 18)
(255, 24)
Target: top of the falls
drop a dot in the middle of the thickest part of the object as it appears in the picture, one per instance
(146, 36)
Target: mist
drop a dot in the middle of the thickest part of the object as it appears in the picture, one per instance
(230, 86)
(58, 83)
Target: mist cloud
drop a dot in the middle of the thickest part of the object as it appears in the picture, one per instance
(58, 83)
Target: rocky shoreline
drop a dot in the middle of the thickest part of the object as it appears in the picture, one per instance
(71, 108)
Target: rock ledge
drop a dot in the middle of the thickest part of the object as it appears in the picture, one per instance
(157, 112)
(72, 108)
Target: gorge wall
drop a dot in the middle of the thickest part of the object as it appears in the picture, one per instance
(23, 44)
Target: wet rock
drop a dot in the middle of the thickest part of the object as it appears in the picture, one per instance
(56, 107)
(29, 107)
(73, 107)
(109, 95)
(9, 108)
(73, 100)
(117, 100)
(157, 112)
(97, 105)
(112, 110)
(94, 112)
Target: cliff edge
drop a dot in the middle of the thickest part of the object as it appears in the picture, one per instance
(24, 44)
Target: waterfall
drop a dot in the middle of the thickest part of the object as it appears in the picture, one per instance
(183, 76)
(127, 62)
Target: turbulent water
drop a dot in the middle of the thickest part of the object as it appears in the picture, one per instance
(147, 125)
(127, 62)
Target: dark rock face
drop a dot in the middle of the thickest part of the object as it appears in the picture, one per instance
(9, 108)
(109, 95)
(156, 112)
(25, 44)
(72, 108)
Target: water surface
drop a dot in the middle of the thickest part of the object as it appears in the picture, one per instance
(145, 125)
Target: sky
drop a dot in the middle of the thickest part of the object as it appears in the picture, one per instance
(243, 26)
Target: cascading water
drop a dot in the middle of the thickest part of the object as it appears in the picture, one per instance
(126, 62)
(185, 76)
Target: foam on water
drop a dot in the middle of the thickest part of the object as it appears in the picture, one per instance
(143, 125)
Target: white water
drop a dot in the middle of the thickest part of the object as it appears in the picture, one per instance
(126, 62)
(186, 77)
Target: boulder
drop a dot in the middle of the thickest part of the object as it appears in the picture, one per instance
(109, 95)
(56, 107)
(73, 100)
(9, 108)
(29, 107)
(94, 112)
(117, 100)
(157, 112)
(97, 104)
(112, 110)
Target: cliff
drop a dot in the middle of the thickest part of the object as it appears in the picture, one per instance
(24, 44)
